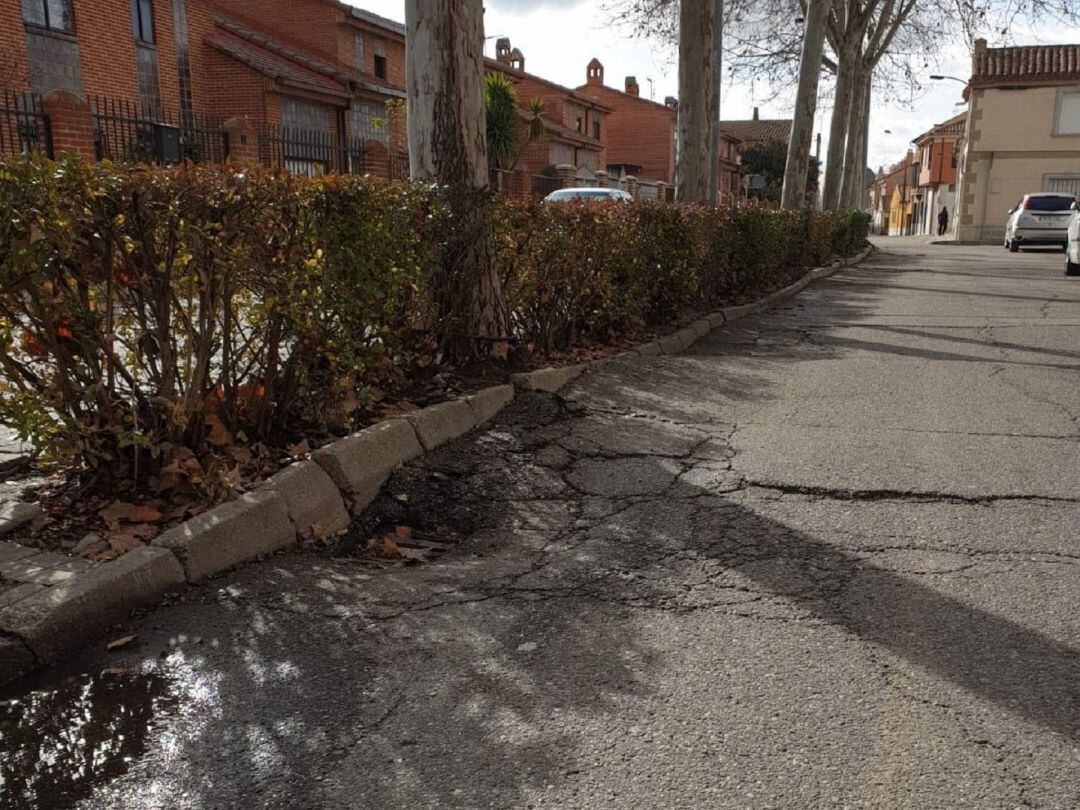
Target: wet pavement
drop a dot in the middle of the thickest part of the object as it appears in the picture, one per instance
(828, 558)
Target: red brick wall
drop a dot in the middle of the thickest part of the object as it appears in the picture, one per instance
(639, 131)
(231, 89)
(16, 72)
(107, 50)
(312, 22)
(536, 155)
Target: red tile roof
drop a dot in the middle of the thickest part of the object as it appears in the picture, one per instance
(1024, 64)
(946, 129)
(763, 129)
(277, 60)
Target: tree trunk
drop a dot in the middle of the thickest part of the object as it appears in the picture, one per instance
(854, 174)
(444, 57)
(834, 159)
(802, 128)
(695, 99)
(714, 115)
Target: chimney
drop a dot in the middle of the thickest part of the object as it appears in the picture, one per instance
(502, 50)
(517, 59)
(978, 61)
(755, 113)
(632, 86)
(672, 102)
(594, 72)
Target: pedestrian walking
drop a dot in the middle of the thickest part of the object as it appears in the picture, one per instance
(943, 221)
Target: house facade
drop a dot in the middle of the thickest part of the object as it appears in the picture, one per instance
(893, 198)
(938, 158)
(750, 132)
(641, 135)
(574, 126)
(169, 80)
(1008, 154)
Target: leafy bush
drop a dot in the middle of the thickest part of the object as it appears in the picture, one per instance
(155, 322)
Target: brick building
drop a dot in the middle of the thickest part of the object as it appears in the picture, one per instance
(574, 125)
(753, 131)
(1008, 153)
(937, 158)
(372, 50)
(641, 134)
(161, 78)
(310, 85)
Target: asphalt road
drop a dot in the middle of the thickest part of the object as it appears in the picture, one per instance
(828, 558)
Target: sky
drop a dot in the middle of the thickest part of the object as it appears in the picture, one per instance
(559, 37)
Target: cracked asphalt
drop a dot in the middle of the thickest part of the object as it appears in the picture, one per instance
(828, 558)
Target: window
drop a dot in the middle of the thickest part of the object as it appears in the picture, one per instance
(367, 120)
(359, 52)
(380, 66)
(1049, 203)
(1065, 183)
(55, 15)
(1067, 116)
(596, 129)
(580, 123)
(142, 20)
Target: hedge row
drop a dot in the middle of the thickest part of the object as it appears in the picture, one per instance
(152, 316)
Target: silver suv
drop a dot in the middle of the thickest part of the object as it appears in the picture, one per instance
(1039, 219)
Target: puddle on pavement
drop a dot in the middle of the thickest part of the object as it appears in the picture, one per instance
(65, 734)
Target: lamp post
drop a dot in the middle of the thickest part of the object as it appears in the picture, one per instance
(937, 77)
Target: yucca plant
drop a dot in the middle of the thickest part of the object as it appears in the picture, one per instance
(501, 110)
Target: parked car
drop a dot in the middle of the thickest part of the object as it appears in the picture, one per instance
(1072, 247)
(1039, 219)
(566, 194)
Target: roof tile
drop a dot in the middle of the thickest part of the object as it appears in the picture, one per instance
(762, 129)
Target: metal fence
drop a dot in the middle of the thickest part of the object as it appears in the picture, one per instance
(312, 152)
(23, 125)
(130, 132)
(541, 184)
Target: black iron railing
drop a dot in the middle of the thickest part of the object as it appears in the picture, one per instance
(313, 152)
(24, 127)
(541, 184)
(129, 132)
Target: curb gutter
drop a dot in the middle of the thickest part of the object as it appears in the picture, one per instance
(307, 499)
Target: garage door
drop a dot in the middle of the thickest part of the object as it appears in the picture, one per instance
(1065, 184)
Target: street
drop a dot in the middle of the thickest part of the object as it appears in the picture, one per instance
(830, 557)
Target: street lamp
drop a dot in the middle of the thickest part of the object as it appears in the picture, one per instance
(939, 78)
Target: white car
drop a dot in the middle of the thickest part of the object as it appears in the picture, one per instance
(1039, 219)
(567, 194)
(1072, 247)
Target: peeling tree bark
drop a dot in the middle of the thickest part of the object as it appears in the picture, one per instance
(802, 127)
(834, 161)
(853, 176)
(696, 56)
(714, 113)
(444, 45)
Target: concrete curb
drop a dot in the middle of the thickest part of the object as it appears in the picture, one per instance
(438, 424)
(360, 463)
(313, 501)
(302, 500)
(47, 622)
(252, 526)
(548, 379)
(686, 337)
